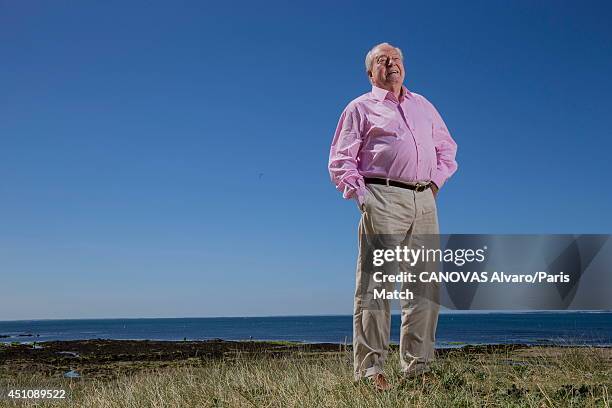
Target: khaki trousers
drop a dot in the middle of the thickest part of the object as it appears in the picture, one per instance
(394, 216)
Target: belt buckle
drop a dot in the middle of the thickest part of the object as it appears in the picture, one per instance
(419, 187)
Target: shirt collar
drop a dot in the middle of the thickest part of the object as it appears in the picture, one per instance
(381, 94)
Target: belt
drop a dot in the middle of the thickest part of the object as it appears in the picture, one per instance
(418, 187)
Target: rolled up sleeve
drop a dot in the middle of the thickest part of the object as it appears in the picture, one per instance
(446, 149)
(343, 162)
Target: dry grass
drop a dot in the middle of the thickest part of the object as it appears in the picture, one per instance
(534, 377)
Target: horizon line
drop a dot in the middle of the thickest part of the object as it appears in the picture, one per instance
(444, 312)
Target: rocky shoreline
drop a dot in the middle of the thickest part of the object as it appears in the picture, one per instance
(103, 358)
(108, 358)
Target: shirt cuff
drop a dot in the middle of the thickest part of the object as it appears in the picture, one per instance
(438, 178)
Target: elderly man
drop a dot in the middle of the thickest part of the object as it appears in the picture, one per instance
(391, 153)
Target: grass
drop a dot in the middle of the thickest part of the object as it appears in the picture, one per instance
(529, 377)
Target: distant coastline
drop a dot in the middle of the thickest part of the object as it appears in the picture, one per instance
(531, 328)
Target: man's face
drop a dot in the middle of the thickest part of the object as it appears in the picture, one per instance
(387, 68)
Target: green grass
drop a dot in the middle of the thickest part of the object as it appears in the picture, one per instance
(534, 377)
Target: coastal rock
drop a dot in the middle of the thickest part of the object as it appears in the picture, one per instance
(72, 374)
(69, 354)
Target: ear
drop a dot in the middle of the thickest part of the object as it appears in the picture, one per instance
(370, 74)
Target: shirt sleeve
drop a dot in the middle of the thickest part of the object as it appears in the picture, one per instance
(446, 149)
(343, 164)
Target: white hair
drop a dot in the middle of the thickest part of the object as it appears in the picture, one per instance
(370, 55)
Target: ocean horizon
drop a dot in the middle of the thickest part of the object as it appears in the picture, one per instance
(457, 328)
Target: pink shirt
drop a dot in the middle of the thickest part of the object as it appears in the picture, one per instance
(379, 136)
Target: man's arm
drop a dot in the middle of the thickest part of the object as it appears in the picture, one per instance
(343, 155)
(446, 150)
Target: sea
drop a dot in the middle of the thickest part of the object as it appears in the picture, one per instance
(454, 329)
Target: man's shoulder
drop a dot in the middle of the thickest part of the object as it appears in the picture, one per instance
(366, 97)
(359, 101)
(420, 98)
(423, 101)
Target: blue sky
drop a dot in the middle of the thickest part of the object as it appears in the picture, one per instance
(165, 159)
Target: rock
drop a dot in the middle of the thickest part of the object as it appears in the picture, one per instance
(72, 374)
(69, 353)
